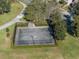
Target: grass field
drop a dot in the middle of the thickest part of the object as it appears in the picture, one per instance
(31, 53)
(15, 9)
(26, 52)
(69, 47)
(66, 49)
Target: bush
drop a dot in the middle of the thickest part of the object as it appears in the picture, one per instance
(22, 24)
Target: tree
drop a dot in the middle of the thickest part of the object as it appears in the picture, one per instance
(58, 24)
(5, 6)
(74, 8)
(30, 13)
(76, 26)
(7, 32)
(39, 10)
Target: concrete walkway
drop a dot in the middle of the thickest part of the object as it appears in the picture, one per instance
(16, 19)
(31, 24)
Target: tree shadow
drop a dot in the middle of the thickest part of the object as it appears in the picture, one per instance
(51, 28)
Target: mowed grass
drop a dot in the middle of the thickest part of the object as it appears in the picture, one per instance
(31, 53)
(66, 49)
(15, 10)
(69, 47)
(3, 35)
(26, 52)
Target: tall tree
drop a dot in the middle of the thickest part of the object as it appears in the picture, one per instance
(76, 26)
(5, 6)
(58, 24)
(74, 8)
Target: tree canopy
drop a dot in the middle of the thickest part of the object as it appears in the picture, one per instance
(4, 6)
(74, 8)
(39, 9)
(58, 24)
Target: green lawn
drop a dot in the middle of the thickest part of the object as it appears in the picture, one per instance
(3, 34)
(16, 8)
(66, 49)
(26, 52)
(69, 47)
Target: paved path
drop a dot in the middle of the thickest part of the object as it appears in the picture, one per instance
(16, 19)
